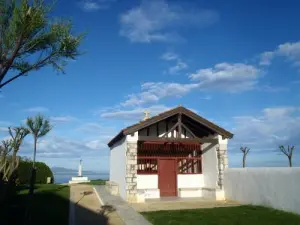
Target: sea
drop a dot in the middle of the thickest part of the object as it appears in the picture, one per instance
(65, 177)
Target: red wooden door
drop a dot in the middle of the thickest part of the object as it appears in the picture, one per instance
(167, 182)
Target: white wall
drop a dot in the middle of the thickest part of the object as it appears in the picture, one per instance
(147, 186)
(189, 185)
(147, 181)
(118, 165)
(273, 187)
(190, 180)
(209, 165)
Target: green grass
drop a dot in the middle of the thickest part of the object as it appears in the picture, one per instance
(240, 215)
(49, 205)
(95, 182)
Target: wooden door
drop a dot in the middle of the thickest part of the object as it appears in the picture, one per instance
(167, 177)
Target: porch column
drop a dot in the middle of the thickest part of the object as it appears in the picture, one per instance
(131, 171)
(222, 160)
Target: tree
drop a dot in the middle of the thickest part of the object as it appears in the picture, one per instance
(38, 126)
(288, 152)
(245, 151)
(9, 161)
(30, 40)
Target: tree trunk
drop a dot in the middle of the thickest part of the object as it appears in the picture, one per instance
(244, 160)
(33, 171)
(290, 161)
(34, 152)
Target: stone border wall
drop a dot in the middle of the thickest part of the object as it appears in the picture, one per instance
(131, 172)
(222, 163)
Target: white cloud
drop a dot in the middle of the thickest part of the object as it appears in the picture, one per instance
(268, 88)
(36, 109)
(53, 146)
(266, 58)
(275, 126)
(96, 144)
(3, 129)
(153, 92)
(229, 77)
(288, 50)
(157, 20)
(94, 5)
(134, 114)
(62, 119)
(96, 128)
(169, 56)
(4, 126)
(178, 67)
(206, 97)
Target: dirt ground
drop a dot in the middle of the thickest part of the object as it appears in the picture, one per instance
(180, 204)
(87, 209)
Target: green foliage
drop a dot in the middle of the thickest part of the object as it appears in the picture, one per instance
(30, 40)
(38, 126)
(42, 172)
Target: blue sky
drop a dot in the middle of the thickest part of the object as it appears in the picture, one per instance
(236, 63)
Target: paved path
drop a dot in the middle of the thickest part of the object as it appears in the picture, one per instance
(85, 208)
(125, 211)
(157, 205)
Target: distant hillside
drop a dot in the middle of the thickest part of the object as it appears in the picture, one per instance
(63, 170)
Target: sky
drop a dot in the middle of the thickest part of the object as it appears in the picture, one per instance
(236, 63)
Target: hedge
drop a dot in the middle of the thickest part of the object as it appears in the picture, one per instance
(42, 172)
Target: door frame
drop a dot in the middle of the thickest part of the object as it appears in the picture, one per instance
(176, 173)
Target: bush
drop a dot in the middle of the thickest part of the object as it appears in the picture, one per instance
(42, 172)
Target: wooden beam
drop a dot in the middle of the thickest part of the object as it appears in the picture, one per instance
(198, 140)
(172, 129)
(157, 129)
(167, 125)
(179, 125)
(188, 129)
(197, 127)
(148, 131)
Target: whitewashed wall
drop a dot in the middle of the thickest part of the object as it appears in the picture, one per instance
(189, 185)
(190, 180)
(274, 187)
(147, 181)
(209, 165)
(118, 165)
(147, 186)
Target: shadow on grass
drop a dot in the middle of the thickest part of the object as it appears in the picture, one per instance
(49, 206)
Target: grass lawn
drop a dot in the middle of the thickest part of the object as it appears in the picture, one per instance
(96, 182)
(240, 215)
(50, 205)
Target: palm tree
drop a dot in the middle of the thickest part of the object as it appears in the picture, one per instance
(38, 126)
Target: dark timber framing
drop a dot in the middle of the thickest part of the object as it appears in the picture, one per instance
(187, 121)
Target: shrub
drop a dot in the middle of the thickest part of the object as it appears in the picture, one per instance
(42, 172)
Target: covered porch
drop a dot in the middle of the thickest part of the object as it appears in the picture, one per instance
(169, 169)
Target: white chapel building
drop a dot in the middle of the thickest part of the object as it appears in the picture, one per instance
(174, 154)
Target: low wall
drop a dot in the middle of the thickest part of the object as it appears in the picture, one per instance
(273, 187)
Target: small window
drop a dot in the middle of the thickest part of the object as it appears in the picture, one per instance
(146, 166)
(189, 166)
